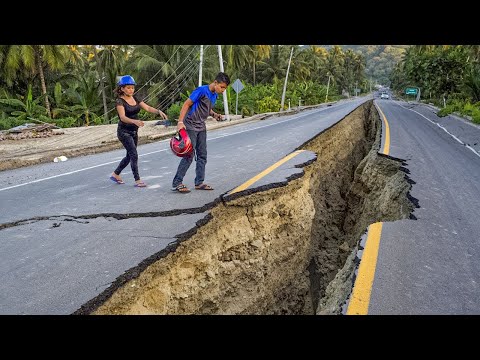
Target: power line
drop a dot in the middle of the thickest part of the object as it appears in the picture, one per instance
(167, 62)
(159, 84)
(159, 89)
(180, 87)
(181, 74)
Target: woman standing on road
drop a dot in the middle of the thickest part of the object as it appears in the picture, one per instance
(128, 106)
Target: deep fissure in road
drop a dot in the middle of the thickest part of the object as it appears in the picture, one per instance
(288, 249)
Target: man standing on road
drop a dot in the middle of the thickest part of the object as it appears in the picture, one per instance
(193, 114)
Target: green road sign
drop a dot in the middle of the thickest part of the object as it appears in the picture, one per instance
(411, 91)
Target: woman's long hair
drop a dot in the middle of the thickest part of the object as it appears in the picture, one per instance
(118, 91)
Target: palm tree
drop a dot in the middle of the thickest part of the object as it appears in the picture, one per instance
(257, 53)
(84, 93)
(300, 68)
(275, 67)
(210, 62)
(335, 61)
(316, 57)
(147, 60)
(236, 57)
(33, 59)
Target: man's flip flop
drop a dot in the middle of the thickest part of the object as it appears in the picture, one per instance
(203, 187)
(140, 184)
(116, 180)
(181, 189)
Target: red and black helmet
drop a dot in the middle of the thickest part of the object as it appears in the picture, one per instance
(181, 144)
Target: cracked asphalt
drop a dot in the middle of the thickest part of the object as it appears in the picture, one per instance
(67, 231)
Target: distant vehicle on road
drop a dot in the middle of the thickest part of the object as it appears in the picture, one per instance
(384, 96)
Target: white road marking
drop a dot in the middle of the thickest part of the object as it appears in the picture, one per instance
(444, 129)
(154, 152)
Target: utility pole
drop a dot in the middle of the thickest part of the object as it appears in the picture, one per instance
(225, 102)
(201, 65)
(286, 78)
(328, 85)
(102, 85)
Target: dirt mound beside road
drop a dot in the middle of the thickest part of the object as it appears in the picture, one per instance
(80, 141)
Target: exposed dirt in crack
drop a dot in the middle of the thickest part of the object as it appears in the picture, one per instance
(379, 192)
(283, 250)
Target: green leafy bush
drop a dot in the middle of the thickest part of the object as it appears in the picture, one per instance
(446, 111)
(267, 104)
(146, 116)
(10, 122)
(476, 116)
(463, 108)
(65, 122)
(173, 112)
(453, 105)
(96, 120)
(246, 111)
(472, 110)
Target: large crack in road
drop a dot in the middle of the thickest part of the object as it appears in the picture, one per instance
(117, 216)
(283, 248)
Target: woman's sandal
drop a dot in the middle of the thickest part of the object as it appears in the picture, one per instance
(140, 184)
(181, 189)
(203, 187)
(118, 181)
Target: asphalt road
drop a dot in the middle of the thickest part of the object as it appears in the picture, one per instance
(55, 264)
(430, 265)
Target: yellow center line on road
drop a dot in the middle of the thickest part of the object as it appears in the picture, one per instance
(386, 145)
(360, 298)
(362, 290)
(254, 179)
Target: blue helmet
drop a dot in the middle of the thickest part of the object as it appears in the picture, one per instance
(126, 80)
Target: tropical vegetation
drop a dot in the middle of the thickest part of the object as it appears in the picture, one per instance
(447, 75)
(73, 85)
